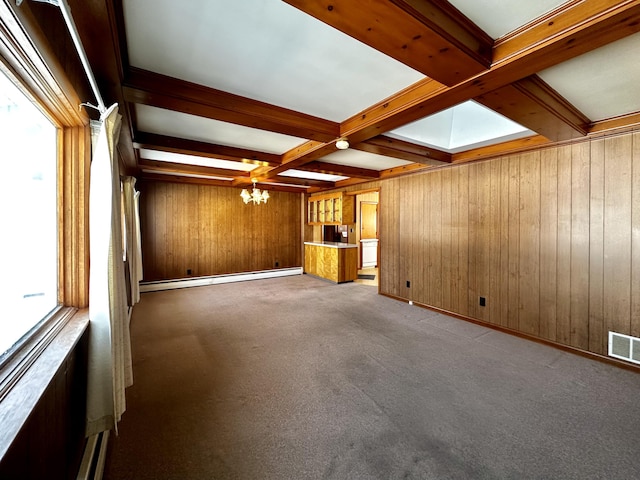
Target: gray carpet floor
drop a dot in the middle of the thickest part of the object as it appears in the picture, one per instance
(297, 378)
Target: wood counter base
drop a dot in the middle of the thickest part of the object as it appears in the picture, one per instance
(326, 261)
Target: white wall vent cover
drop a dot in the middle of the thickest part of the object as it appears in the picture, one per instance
(624, 347)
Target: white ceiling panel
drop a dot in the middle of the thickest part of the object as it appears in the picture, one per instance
(357, 158)
(262, 49)
(602, 84)
(192, 127)
(499, 17)
(468, 125)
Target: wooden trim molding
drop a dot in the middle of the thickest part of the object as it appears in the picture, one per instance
(73, 215)
(403, 150)
(532, 103)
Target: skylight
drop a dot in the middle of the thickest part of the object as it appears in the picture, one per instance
(467, 125)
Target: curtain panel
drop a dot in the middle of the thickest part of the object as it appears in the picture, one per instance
(109, 367)
(133, 242)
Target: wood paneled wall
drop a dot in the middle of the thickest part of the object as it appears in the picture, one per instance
(550, 238)
(210, 231)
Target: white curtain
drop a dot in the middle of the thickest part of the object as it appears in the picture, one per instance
(133, 240)
(110, 370)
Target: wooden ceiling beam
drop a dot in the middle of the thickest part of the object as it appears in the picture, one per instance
(430, 36)
(403, 150)
(303, 182)
(149, 88)
(534, 104)
(276, 185)
(164, 143)
(504, 148)
(343, 170)
(561, 36)
(301, 155)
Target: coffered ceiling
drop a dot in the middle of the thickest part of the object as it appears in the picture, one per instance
(222, 91)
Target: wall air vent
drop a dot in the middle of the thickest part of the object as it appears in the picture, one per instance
(624, 347)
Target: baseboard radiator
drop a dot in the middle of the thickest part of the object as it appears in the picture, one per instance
(624, 347)
(218, 279)
(95, 455)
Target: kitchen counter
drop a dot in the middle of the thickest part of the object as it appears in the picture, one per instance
(332, 244)
(333, 261)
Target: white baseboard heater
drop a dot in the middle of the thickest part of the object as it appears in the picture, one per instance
(95, 455)
(218, 279)
(624, 347)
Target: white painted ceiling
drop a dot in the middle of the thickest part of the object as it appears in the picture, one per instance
(269, 51)
(499, 17)
(262, 49)
(604, 83)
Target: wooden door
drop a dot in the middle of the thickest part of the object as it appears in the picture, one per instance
(368, 220)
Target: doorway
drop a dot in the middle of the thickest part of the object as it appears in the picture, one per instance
(367, 237)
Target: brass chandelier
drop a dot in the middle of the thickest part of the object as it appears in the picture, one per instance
(256, 196)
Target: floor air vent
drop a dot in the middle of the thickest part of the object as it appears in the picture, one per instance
(624, 347)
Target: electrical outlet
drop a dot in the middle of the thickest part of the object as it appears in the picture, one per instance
(408, 284)
(188, 271)
(483, 302)
(277, 263)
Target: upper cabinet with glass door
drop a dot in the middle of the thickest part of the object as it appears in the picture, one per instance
(331, 209)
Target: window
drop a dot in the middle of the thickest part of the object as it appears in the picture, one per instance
(28, 212)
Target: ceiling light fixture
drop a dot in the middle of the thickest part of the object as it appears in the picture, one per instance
(256, 196)
(342, 144)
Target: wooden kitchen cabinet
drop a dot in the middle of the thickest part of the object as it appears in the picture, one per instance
(331, 209)
(332, 261)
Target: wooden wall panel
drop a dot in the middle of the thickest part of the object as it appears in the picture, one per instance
(420, 286)
(389, 213)
(472, 258)
(433, 242)
(617, 227)
(483, 241)
(597, 336)
(551, 239)
(580, 183)
(635, 239)
(563, 259)
(513, 236)
(494, 293)
(209, 231)
(529, 246)
(463, 239)
(548, 243)
(447, 236)
(503, 275)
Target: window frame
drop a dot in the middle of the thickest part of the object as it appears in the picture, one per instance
(27, 59)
